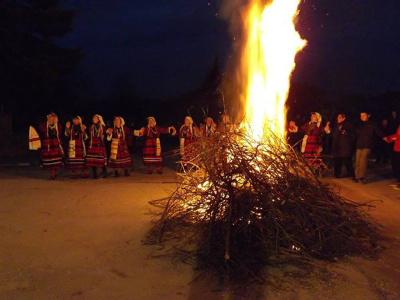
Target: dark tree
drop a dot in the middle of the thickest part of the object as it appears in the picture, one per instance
(33, 68)
(213, 78)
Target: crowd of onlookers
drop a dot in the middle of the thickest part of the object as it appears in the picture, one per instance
(346, 140)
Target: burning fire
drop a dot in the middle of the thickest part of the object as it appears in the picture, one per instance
(268, 60)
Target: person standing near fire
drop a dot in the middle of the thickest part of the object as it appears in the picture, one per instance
(51, 152)
(208, 128)
(188, 134)
(152, 153)
(311, 146)
(342, 146)
(367, 133)
(120, 157)
(76, 133)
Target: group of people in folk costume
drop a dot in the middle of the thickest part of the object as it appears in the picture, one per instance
(347, 140)
(87, 146)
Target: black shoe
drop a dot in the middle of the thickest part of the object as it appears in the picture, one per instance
(94, 172)
(356, 180)
(105, 172)
(363, 180)
(116, 173)
(126, 172)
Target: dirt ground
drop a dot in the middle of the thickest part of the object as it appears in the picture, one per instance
(68, 239)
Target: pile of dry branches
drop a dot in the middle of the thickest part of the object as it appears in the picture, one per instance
(242, 205)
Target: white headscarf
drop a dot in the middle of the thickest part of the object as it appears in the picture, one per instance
(122, 121)
(55, 122)
(190, 123)
(319, 118)
(100, 120)
(152, 118)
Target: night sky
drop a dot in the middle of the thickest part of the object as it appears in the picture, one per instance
(165, 47)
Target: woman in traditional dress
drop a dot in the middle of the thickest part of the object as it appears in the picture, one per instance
(96, 153)
(77, 149)
(187, 135)
(312, 140)
(209, 128)
(51, 153)
(152, 155)
(119, 155)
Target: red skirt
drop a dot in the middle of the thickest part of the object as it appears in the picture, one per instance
(96, 154)
(51, 154)
(78, 161)
(150, 152)
(123, 158)
(312, 152)
(189, 150)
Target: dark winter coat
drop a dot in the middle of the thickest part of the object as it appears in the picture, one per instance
(343, 139)
(367, 134)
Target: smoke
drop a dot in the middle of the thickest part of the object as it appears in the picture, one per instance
(232, 11)
(229, 7)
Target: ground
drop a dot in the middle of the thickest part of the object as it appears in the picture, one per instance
(83, 239)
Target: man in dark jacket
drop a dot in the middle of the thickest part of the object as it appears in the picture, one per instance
(366, 135)
(394, 122)
(343, 145)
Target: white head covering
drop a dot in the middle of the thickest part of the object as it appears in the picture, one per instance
(152, 118)
(55, 126)
(55, 122)
(52, 115)
(100, 119)
(122, 121)
(79, 118)
(190, 120)
(190, 124)
(319, 118)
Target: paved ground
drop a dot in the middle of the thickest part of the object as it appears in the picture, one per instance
(82, 239)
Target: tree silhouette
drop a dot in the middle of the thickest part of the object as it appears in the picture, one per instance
(33, 68)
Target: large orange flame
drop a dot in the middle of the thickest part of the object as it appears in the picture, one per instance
(268, 60)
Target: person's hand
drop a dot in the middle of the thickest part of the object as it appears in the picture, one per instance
(109, 131)
(173, 130)
(68, 125)
(83, 127)
(343, 131)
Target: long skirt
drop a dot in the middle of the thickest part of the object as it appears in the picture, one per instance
(312, 151)
(122, 158)
(152, 152)
(96, 154)
(76, 155)
(188, 150)
(51, 154)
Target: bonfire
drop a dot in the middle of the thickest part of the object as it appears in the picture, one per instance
(247, 200)
(243, 204)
